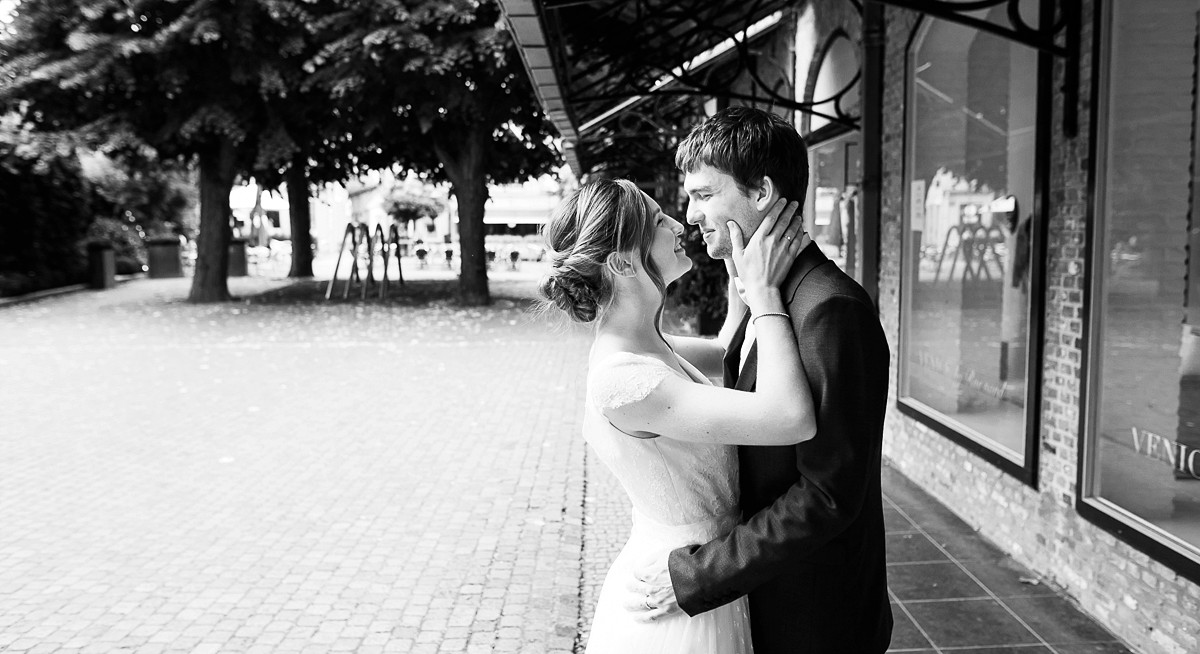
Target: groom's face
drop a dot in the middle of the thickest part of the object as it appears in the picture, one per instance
(714, 199)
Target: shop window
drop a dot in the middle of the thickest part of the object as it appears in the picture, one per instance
(834, 206)
(1142, 437)
(968, 340)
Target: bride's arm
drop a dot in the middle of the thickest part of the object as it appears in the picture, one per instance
(781, 411)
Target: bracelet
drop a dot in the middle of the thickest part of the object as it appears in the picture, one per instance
(769, 313)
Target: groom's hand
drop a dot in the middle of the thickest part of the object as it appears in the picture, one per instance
(650, 595)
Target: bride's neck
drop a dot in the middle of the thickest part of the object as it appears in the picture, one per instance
(633, 316)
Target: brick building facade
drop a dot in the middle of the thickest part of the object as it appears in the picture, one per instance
(1149, 604)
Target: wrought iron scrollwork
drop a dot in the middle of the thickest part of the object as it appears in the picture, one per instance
(626, 61)
(646, 77)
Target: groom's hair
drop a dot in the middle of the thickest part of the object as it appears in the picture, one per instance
(748, 144)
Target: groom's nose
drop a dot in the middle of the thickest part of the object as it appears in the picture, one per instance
(692, 215)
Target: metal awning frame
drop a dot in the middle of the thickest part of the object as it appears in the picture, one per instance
(1059, 20)
(691, 77)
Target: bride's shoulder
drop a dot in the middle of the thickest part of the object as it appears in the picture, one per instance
(619, 377)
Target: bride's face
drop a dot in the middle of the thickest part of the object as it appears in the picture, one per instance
(666, 249)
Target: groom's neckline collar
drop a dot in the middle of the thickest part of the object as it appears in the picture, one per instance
(807, 261)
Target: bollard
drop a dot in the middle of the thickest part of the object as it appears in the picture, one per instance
(164, 257)
(237, 258)
(102, 265)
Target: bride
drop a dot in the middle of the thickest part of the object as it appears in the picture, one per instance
(651, 414)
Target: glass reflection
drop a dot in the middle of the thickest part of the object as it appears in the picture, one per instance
(966, 302)
(1146, 433)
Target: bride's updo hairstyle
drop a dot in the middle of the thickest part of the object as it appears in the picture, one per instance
(601, 217)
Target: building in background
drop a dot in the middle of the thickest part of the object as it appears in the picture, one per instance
(514, 212)
(522, 209)
(1021, 202)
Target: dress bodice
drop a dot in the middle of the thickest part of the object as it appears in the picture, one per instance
(669, 481)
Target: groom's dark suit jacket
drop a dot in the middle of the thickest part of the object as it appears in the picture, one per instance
(810, 552)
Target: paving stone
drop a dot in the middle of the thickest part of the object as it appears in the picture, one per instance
(285, 476)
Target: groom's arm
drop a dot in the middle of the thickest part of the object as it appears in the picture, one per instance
(708, 354)
(842, 347)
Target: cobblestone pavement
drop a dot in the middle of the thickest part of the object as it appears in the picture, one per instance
(288, 475)
(285, 474)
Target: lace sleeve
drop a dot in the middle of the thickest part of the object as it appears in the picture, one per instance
(624, 378)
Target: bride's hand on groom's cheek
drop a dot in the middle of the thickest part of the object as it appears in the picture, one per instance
(649, 594)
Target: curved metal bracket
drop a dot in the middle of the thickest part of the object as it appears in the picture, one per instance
(691, 79)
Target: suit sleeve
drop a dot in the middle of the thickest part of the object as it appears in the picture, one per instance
(842, 347)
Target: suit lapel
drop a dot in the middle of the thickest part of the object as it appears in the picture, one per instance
(733, 354)
(809, 258)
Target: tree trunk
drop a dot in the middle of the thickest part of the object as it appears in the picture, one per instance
(473, 280)
(465, 168)
(210, 281)
(301, 217)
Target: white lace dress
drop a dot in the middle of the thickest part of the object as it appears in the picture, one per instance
(681, 493)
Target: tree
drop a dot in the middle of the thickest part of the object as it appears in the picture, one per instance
(407, 206)
(193, 80)
(45, 208)
(437, 87)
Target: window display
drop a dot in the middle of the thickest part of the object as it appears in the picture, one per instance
(1143, 449)
(970, 223)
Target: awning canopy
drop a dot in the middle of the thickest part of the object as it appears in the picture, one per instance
(589, 60)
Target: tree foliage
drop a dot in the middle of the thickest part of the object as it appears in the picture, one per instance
(45, 208)
(407, 205)
(158, 196)
(289, 91)
(189, 80)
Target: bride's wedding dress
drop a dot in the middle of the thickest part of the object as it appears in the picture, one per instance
(681, 493)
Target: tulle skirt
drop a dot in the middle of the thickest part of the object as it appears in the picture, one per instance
(724, 630)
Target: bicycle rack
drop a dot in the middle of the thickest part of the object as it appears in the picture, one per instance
(975, 242)
(365, 244)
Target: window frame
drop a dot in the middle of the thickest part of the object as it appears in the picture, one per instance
(1026, 470)
(1136, 532)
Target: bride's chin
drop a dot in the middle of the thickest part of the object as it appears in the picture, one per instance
(678, 274)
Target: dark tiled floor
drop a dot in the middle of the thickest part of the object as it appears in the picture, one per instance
(953, 591)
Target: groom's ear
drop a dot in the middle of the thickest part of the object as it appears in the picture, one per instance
(764, 193)
(620, 264)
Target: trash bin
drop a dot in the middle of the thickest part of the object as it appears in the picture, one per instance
(237, 258)
(102, 265)
(164, 255)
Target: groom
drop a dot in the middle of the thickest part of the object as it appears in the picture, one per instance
(810, 550)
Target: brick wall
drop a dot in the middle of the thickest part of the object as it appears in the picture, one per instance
(1141, 601)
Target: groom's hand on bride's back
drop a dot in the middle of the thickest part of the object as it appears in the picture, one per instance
(649, 594)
